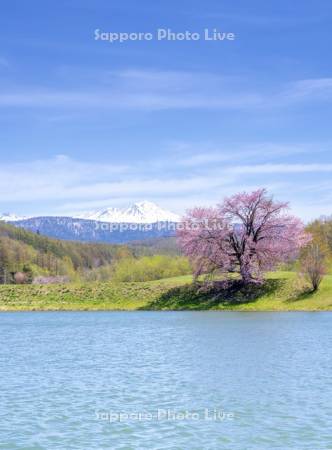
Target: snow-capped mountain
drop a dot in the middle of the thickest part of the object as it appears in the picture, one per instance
(86, 227)
(140, 212)
(9, 217)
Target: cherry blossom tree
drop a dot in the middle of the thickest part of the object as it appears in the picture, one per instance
(248, 234)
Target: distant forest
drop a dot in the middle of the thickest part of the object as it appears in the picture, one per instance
(27, 256)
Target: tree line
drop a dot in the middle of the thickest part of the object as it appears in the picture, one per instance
(25, 255)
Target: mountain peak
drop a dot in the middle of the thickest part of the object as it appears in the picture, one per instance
(140, 212)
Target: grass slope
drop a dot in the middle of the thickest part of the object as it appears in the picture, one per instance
(280, 293)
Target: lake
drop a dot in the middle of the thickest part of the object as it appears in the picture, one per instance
(166, 380)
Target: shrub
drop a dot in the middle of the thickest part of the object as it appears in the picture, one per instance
(20, 278)
(151, 268)
(313, 265)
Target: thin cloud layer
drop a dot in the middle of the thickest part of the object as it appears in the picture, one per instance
(67, 185)
(163, 90)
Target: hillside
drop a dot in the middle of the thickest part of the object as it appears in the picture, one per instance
(88, 230)
(155, 246)
(280, 293)
(32, 254)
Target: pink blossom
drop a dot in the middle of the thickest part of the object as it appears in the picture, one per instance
(249, 233)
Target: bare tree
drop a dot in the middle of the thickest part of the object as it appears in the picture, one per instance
(313, 265)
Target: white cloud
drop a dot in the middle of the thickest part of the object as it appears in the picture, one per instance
(159, 90)
(192, 155)
(280, 168)
(316, 88)
(63, 178)
(62, 185)
(51, 179)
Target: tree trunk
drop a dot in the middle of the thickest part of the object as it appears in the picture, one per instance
(246, 274)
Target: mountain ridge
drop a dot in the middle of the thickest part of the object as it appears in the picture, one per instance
(143, 212)
(139, 222)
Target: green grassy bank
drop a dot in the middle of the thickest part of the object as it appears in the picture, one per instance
(281, 292)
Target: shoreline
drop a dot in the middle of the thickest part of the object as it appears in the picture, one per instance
(279, 293)
(165, 310)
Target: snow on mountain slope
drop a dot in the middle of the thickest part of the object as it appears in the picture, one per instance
(104, 215)
(9, 217)
(140, 212)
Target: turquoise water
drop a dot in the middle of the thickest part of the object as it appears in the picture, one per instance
(200, 380)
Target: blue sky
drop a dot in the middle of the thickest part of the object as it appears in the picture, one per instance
(86, 124)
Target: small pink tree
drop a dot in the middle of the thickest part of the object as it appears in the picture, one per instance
(248, 233)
